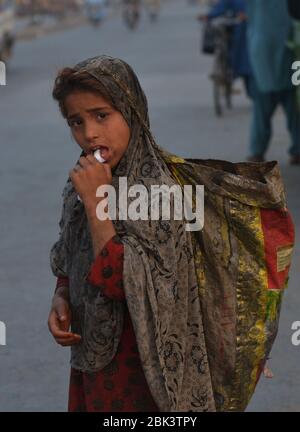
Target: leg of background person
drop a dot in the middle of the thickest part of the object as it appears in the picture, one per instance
(246, 81)
(289, 103)
(264, 105)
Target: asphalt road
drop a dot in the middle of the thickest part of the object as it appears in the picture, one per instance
(37, 153)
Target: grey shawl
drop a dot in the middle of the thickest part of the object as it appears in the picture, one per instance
(159, 271)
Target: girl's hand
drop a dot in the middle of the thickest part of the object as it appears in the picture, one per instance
(59, 321)
(87, 176)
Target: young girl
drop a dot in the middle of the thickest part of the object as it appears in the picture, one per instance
(138, 294)
(117, 364)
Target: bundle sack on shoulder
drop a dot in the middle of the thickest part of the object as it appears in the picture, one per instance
(242, 259)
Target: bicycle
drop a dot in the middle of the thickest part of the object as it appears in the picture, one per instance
(222, 73)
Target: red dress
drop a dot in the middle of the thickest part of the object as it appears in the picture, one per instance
(121, 386)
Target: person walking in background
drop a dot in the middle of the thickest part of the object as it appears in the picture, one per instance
(95, 10)
(269, 28)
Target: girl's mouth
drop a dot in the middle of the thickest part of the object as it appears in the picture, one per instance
(98, 156)
(104, 152)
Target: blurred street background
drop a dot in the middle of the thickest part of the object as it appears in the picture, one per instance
(37, 153)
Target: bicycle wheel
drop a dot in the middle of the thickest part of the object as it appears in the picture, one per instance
(228, 76)
(217, 95)
(228, 95)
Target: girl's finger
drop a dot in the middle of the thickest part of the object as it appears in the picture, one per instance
(67, 342)
(55, 329)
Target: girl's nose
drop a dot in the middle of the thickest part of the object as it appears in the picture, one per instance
(91, 132)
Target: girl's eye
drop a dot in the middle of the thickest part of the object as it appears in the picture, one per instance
(75, 123)
(101, 115)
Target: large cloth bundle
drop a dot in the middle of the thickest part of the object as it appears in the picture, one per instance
(242, 256)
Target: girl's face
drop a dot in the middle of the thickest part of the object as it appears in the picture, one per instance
(95, 124)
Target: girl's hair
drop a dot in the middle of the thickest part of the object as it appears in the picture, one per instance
(67, 82)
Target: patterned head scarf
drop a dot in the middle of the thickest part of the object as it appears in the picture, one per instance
(159, 272)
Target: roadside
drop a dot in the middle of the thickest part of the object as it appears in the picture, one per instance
(27, 30)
